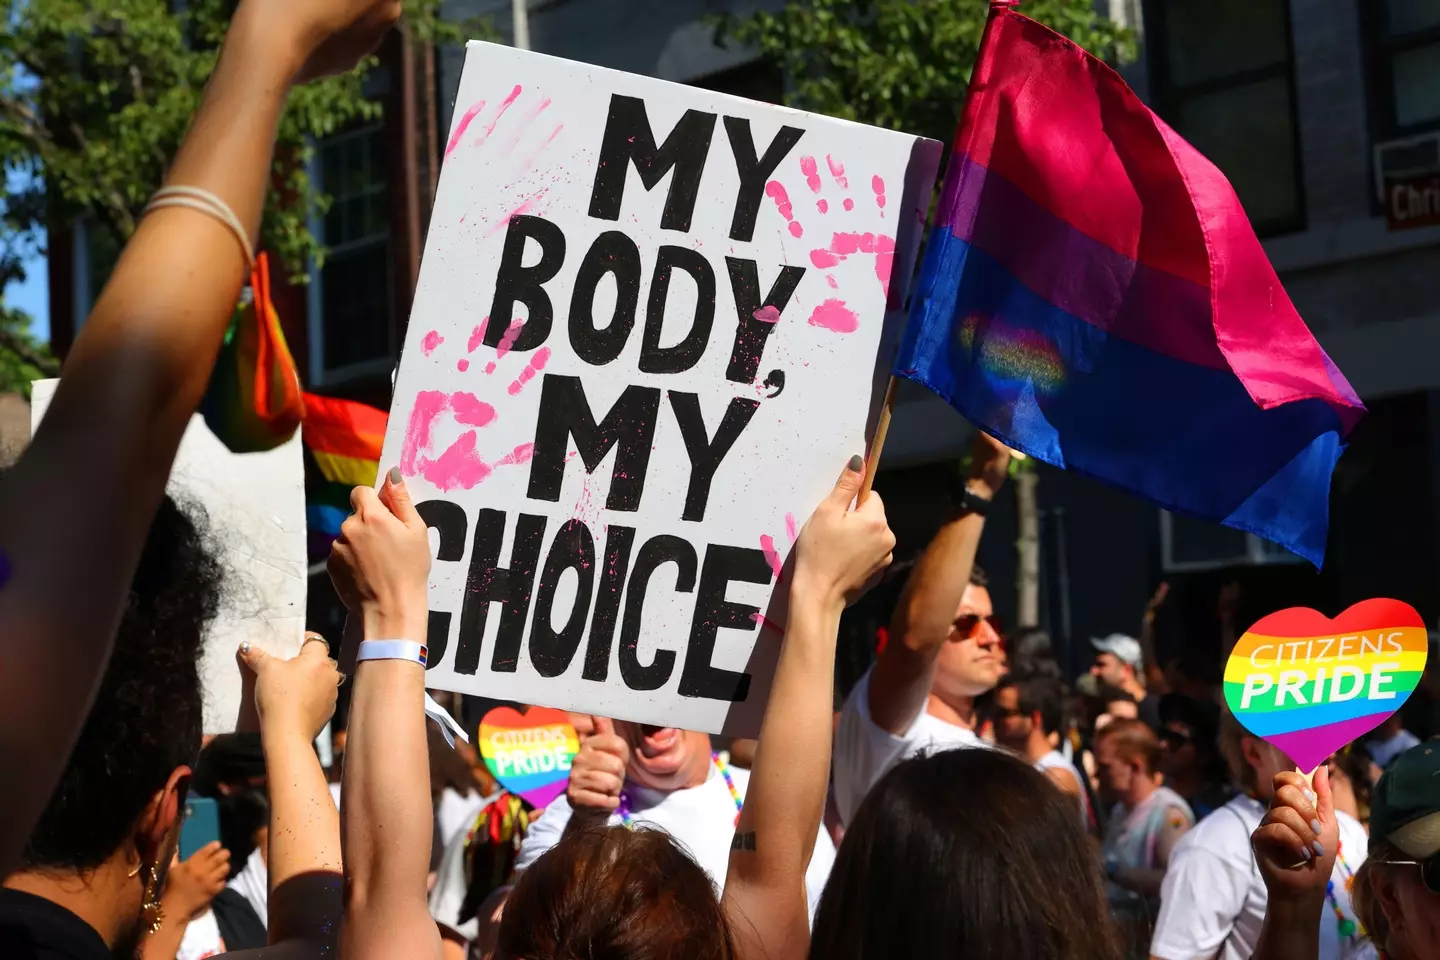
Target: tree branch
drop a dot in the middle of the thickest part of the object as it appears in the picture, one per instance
(16, 344)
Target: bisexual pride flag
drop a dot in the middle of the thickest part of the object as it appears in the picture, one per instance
(1093, 294)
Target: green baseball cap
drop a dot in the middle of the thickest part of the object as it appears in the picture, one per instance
(1406, 806)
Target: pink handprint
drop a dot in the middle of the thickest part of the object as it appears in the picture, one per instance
(834, 314)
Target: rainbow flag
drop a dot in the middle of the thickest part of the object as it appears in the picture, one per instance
(1093, 295)
(344, 439)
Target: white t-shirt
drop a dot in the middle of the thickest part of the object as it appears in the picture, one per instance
(1055, 760)
(865, 751)
(253, 883)
(202, 939)
(701, 818)
(1212, 903)
(456, 811)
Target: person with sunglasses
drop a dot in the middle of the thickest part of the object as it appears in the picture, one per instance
(1231, 876)
(943, 650)
(1396, 890)
(1192, 766)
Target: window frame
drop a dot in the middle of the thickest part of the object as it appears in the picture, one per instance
(322, 375)
(1258, 552)
(1380, 51)
(1167, 97)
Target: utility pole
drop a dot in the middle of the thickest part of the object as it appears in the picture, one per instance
(520, 18)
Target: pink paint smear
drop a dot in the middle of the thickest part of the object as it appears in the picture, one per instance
(775, 190)
(519, 211)
(530, 162)
(812, 173)
(835, 315)
(460, 128)
(844, 245)
(837, 170)
(772, 556)
(530, 118)
(536, 364)
(790, 527)
(767, 315)
(878, 185)
(431, 341)
(499, 112)
(765, 622)
(459, 466)
(477, 335)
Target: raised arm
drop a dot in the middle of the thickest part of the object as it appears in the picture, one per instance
(921, 623)
(839, 553)
(99, 461)
(380, 566)
(1296, 874)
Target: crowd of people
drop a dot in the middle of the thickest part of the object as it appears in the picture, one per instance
(965, 801)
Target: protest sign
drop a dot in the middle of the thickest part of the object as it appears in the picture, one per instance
(254, 506)
(529, 753)
(1309, 685)
(650, 329)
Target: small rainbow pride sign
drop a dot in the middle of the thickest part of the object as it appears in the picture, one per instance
(1309, 685)
(529, 753)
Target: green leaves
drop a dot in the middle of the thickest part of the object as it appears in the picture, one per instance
(902, 64)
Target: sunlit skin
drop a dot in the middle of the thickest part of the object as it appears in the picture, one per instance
(967, 665)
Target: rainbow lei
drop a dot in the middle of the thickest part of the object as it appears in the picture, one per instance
(1347, 927)
(629, 821)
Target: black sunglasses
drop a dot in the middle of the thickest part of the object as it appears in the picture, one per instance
(968, 624)
(1429, 870)
(1174, 738)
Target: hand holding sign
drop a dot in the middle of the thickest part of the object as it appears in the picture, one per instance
(1309, 685)
(1286, 841)
(598, 774)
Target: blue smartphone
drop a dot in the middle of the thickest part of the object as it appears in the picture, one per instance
(201, 826)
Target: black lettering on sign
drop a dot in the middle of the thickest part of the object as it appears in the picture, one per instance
(629, 139)
(450, 521)
(685, 354)
(515, 282)
(754, 173)
(706, 454)
(552, 650)
(712, 613)
(489, 583)
(656, 551)
(615, 254)
(618, 541)
(565, 413)
(752, 332)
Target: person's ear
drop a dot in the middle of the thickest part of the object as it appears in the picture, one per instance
(1382, 885)
(163, 816)
(1250, 750)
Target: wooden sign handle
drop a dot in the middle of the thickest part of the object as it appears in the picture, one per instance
(877, 445)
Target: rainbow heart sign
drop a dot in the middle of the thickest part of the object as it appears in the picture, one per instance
(1309, 685)
(529, 753)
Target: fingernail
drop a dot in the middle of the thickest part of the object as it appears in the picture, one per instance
(857, 463)
(1309, 854)
(1310, 796)
(1315, 827)
(1319, 848)
(244, 646)
(395, 477)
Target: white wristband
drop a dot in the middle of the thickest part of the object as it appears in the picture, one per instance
(415, 653)
(392, 650)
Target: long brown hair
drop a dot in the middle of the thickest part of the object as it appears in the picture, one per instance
(614, 894)
(967, 854)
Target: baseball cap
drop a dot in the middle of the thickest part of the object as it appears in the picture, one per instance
(1125, 648)
(1406, 806)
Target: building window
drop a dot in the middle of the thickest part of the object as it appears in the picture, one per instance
(1223, 78)
(1190, 544)
(1405, 64)
(356, 333)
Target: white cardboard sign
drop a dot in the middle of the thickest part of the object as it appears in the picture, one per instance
(649, 331)
(255, 510)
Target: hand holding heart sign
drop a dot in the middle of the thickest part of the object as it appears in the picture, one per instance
(598, 774)
(531, 753)
(1309, 685)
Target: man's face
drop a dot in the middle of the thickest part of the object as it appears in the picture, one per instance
(1116, 775)
(1179, 753)
(970, 662)
(1012, 727)
(662, 758)
(1109, 669)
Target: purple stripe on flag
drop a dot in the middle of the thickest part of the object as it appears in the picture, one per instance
(1077, 273)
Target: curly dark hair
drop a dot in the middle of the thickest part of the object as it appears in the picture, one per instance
(146, 720)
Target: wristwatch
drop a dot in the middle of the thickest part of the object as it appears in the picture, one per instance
(968, 501)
